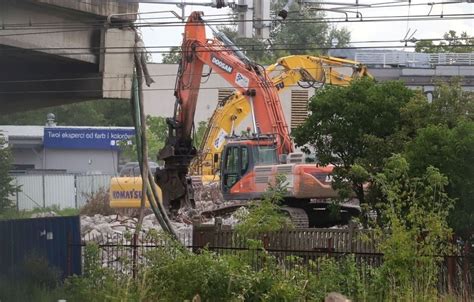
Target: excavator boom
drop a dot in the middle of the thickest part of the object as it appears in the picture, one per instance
(249, 79)
(289, 71)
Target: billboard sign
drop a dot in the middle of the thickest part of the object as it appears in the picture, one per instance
(87, 138)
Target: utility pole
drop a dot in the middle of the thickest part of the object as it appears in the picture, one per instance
(244, 10)
(253, 16)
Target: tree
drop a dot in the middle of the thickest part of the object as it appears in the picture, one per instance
(157, 133)
(415, 234)
(295, 36)
(446, 141)
(172, 57)
(7, 189)
(312, 36)
(355, 128)
(200, 132)
(452, 152)
(451, 104)
(451, 43)
(91, 113)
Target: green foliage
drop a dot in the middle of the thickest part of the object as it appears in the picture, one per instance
(91, 113)
(7, 189)
(445, 139)
(98, 283)
(452, 152)
(355, 127)
(32, 280)
(359, 127)
(181, 276)
(13, 213)
(200, 132)
(451, 43)
(175, 274)
(415, 234)
(451, 104)
(98, 203)
(302, 37)
(292, 37)
(253, 48)
(157, 132)
(172, 57)
(265, 215)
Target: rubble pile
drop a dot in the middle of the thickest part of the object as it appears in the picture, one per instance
(207, 196)
(116, 228)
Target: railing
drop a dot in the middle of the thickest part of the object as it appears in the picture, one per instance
(291, 248)
(414, 59)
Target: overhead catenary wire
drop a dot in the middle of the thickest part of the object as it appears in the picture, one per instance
(240, 45)
(325, 65)
(299, 49)
(379, 18)
(19, 92)
(223, 15)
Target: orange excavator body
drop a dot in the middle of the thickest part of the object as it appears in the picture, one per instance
(249, 164)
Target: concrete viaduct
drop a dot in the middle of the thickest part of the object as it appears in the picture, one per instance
(56, 52)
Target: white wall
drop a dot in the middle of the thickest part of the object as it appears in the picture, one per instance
(81, 161)
(73, 161)
(159, 98)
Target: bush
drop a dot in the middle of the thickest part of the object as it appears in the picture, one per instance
(98, 203)
(33, 280)
(7, 189)
(97, 283)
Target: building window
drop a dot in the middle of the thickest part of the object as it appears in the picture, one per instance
(299, 107)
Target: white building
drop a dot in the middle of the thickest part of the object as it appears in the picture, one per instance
(159, 98)
(79, 150)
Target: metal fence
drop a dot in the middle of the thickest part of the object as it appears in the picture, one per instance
(293, 248)
(414, 59)
(61, 190)
(53, 239)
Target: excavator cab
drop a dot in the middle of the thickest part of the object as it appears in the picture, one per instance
(241, 155)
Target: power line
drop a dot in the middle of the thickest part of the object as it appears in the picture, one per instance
(102, 22)
(342, 65)
(223, 49)
(396, 18)
(237, 44)
(394, 4)
(16, 92)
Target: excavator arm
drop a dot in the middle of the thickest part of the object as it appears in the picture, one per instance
(247, 78)
(234, 109)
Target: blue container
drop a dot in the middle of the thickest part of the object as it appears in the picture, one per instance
(57, 239)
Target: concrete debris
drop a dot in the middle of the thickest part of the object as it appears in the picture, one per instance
(100, 228)
(336, 297)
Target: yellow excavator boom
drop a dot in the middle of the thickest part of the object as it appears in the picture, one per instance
(231, 111)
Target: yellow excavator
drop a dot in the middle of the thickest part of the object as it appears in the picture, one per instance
(302, 70)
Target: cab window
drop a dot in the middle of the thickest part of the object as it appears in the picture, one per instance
(232, 164)
(245, 160)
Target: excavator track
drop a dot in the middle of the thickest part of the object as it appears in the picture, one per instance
(298, 216)
(224, 209)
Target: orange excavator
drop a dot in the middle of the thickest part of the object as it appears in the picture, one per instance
(249, 164)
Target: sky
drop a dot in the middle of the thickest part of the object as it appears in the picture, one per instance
(360, 31)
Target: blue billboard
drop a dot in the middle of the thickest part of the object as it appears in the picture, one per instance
(87, 138)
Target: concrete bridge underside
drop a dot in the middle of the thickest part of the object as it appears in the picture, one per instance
(57, 52)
